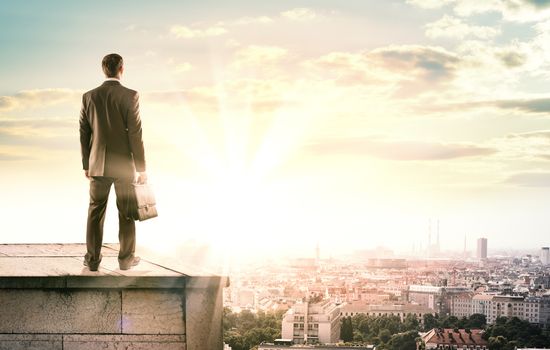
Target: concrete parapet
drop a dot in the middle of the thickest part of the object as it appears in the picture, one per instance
(49, 300)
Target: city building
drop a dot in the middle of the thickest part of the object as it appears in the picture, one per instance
(245, 298)
(545, 256)
(436, 298)
(311, 323)
(461, 304)
(535, 309)
(448, 338)
(385, 263)
(482, 248)
(544, 311)
(481, 303)
(505, 306)
(400, 310)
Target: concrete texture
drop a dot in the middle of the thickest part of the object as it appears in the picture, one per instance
(49, 300)
(30, 342)
(58, 311)
(61, 266)
(91, 342)
(161, 312)
(124, 342)
(204, 312)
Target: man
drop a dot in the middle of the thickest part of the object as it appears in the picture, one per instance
(112, 151)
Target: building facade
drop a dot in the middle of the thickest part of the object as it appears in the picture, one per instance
(436, 298)
(400, 310)
(482, 248)
(535, 309)
(311, 323)
(545, 256)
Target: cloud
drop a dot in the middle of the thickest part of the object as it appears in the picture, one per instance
(530, 179)
(195, 97)
(399, 150)
(51, 132)
(430, 4)
(12, 157)
(260, 95)
(38, 124)
(346, 68)
(544, 134)
(409, 67)
(184, 32)
(300, 14)
(38, 98)
(512, 59)
(536, 105)
(183, 67)
(249, 20)
(453, 27)
(432, 62)
(259, 54)
(511, 10)
(533, 105)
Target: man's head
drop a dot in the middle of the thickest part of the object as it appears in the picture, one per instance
(112, 65)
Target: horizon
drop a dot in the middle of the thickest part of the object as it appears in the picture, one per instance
(272, 127)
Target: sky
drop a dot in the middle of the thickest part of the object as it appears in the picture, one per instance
(272, 127)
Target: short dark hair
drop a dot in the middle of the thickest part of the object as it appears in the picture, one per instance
(111, 64)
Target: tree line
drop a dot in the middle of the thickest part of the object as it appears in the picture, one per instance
(246, 330)
(386, 331)
(512, 333)
(389, 332)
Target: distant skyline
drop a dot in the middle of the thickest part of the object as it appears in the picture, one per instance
(270, 126)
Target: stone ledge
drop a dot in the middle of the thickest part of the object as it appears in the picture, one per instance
(91, 342)
(41, 266)
(124, 342)
(31, 342)
(49, 300)
(59, 311)
(92, 282)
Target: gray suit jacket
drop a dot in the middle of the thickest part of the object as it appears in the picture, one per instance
(110, 131)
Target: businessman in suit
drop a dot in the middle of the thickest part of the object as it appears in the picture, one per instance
(112, 152)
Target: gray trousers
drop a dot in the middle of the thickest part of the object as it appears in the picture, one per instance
(99, 194)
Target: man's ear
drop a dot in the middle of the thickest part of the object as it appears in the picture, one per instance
(121, 70)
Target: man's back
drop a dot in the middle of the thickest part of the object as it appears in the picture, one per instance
(110, 129)
(112, 152)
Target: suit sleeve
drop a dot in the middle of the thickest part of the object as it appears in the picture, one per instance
(85, 136)
(135, 134)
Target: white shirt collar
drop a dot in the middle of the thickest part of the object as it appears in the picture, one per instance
(112, 79)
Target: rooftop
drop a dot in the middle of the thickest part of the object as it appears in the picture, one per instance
(448, 336)
(61, 266)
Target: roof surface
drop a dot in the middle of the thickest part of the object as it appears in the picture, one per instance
(448, 336)
(61, 266)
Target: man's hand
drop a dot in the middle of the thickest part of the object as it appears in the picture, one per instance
(142, 178)
(87, 174)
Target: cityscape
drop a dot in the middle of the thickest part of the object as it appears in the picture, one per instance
(448, 301)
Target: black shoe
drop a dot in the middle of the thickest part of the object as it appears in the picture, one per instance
(92, 267)
(129, 265)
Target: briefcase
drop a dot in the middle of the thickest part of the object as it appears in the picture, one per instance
(142, 204)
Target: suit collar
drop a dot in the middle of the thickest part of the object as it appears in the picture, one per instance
(111, 82)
